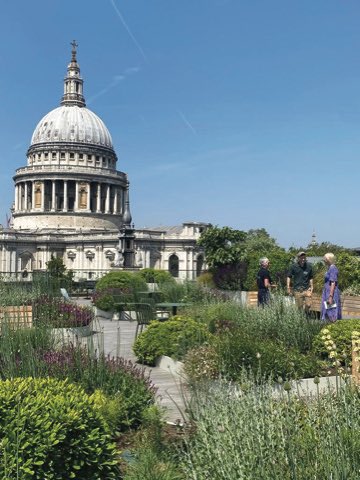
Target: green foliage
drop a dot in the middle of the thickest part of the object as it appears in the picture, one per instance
(206, 279)
(279, 265)
(51, 429)
(202, 363)
(20, 351)
(172, 338)
(122, 280)
(222, 245)
(279, 321)
(151, 275)
(340, 332)
(58, 272)
(111, 407)
(234, 256)
(125, 284)
(18, 293)
(128, 388)
(320, 249)
(56, 313)
(258, 241)
(299, 438)
(266, 358)
(349, 269)
(150, 465)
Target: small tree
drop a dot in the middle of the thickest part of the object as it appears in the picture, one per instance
(58, 273)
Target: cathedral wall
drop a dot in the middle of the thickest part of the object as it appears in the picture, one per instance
(86, 222)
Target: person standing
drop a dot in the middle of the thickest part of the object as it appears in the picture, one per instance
(263, 281)
(301, 277)
(330, 299)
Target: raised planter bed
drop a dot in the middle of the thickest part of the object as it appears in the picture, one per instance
(169, 364)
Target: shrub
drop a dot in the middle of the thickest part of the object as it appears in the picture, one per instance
(54, 312)
(269, 358)
(126, 284)
(201, 363)
(51, 429)
(206, 279)
(299, 438)
(340, 333)
(122, 280)
(127, 386)
(151, 275)
(173, 338)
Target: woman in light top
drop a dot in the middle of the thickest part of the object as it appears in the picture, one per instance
(330, 300)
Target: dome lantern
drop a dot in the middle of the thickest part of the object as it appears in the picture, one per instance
(73, 83)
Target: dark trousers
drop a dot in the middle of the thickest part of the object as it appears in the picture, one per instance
(263, 297)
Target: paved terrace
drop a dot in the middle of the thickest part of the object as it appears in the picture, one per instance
(116, 338)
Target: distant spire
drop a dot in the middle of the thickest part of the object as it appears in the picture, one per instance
(313, 242)
(73, 83)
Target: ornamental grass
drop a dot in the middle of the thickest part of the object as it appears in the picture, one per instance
(245, 432)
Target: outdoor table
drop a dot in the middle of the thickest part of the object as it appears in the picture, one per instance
(173, 305)
(155, 295)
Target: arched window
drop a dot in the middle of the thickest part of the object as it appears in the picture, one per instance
(199, 265)
(174, 265)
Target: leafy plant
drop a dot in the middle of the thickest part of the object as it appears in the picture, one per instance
(51, 429)
(54, 312)
(299, 438)
(173, 338)
(341, 333)
(123, 280)
(152, 275)
(201, 363)
(266, 358)
(126, 388)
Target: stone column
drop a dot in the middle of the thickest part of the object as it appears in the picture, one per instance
(76, 206)
(43, 196)
(115, 209)
(13, 261)
(16, 197)
(147, 259)
(65, 208)
(88, 197)
(33, 195)
(26, 193)
(53, 195)
(98, 199)
(107, 201)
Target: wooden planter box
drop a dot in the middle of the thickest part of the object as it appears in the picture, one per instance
(16, 316)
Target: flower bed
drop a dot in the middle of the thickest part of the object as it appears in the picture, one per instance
(56, 313)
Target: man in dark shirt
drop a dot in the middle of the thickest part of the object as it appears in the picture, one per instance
(263, 281)
(301, 275)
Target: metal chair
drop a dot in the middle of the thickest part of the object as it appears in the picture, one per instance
(144, 313)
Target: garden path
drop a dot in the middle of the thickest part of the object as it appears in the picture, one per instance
(116, 338)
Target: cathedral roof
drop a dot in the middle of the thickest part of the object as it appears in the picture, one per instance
(72, 122)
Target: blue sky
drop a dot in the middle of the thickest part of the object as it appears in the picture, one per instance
(236, 112)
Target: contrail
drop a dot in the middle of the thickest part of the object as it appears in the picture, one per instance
(116, 80)
(187, 123)
(122, 20)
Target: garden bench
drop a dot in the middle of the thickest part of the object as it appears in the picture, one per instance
(350, 305)
(16, 316)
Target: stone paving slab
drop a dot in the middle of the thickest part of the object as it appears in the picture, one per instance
(116, 338)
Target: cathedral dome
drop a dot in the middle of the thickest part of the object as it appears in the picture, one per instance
(72, 123)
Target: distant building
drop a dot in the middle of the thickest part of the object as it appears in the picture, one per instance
(72, 202)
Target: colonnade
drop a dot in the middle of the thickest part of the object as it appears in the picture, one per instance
(69, 196)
